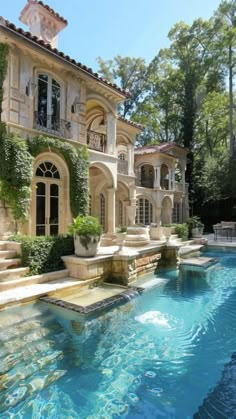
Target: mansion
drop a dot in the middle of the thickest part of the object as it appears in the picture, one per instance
(48, 93)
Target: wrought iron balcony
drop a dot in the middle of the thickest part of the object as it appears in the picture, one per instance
(96, 140)
(145, 182)
(52, 125)
(122, 167)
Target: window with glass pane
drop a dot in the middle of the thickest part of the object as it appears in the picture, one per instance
(102, 211)
(120, 213)
(40, 209)
(49, 99)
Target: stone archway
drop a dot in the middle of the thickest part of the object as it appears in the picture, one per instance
(102, 195)
(166, 210)
(50, 206)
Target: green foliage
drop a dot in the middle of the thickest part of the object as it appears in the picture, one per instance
(182, 231)
(121, 229)
(85, 226)
(3, 70)
(77, 162)
(194, 222)
(43, 254)
(16, 171)
(131, 74)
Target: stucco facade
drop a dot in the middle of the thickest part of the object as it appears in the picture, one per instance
(46, 92)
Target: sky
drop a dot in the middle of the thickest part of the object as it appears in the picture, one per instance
(106, 28)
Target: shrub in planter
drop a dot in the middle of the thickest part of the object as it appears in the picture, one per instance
(195, 226)
(87, 233)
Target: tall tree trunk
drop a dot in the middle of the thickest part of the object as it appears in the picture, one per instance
(231, 104)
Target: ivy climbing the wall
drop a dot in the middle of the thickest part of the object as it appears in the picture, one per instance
(3, 70)
(17, 157)
(16, 171)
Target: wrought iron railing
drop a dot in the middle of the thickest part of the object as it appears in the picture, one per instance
(52, 125)
(165, 184)
(122, 167)
(96, 140)
(145, 182)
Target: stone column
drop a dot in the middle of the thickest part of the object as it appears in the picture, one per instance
(111, 133)
(183, 180)
(131, 212)
(157, 177)
(173, 179)
(130, 160)
(111, 212)
(169, 179)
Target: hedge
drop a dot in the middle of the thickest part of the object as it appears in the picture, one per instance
(43, 253)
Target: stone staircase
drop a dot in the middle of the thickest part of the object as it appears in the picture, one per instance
(16, 287)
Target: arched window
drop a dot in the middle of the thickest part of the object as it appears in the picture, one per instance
(47, 199)
(49, 103)
(102, 215)
(47, 169)
(144, 212)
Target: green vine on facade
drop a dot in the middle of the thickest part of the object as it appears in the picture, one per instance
(3, 70)
(76, 158)
(17, 157)
(16, 172)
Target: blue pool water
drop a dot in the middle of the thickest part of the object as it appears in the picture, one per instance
(158, 356)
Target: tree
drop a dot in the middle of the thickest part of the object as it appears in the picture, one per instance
(225, 43)
(130, 74)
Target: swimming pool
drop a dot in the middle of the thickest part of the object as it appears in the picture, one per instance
(156, 356)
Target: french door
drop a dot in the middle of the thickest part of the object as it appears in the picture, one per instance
(47, 207)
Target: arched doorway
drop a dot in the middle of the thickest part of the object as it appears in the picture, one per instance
(48, 181)
(102, 194)
(164, 177)
(50, 207)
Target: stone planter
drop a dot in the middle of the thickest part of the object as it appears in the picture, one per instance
(120, 238)
(86, 246)
(167, 231)
(156, 233)
(197, 232)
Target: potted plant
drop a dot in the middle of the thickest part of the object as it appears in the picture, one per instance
(120, 235)
(195, 226)
(87, 233)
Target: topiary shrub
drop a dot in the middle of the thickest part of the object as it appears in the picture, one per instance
(43, 253)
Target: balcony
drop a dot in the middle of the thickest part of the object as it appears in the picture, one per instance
(52, 125)
(96, 141)
(122, 167)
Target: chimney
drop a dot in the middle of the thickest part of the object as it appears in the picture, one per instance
(42, 21)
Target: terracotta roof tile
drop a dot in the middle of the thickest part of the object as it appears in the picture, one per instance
(49, 9)
(128, 121)
(39, 42)
(158, 148)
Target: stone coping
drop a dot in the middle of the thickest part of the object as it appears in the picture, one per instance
(98, 306)
(201, 262)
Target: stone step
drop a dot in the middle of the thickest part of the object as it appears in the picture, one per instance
(7, 254)
(8, 263)
(14, 273)
(10, 245)
(31, 292)
(34, 279)
(189, 251)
